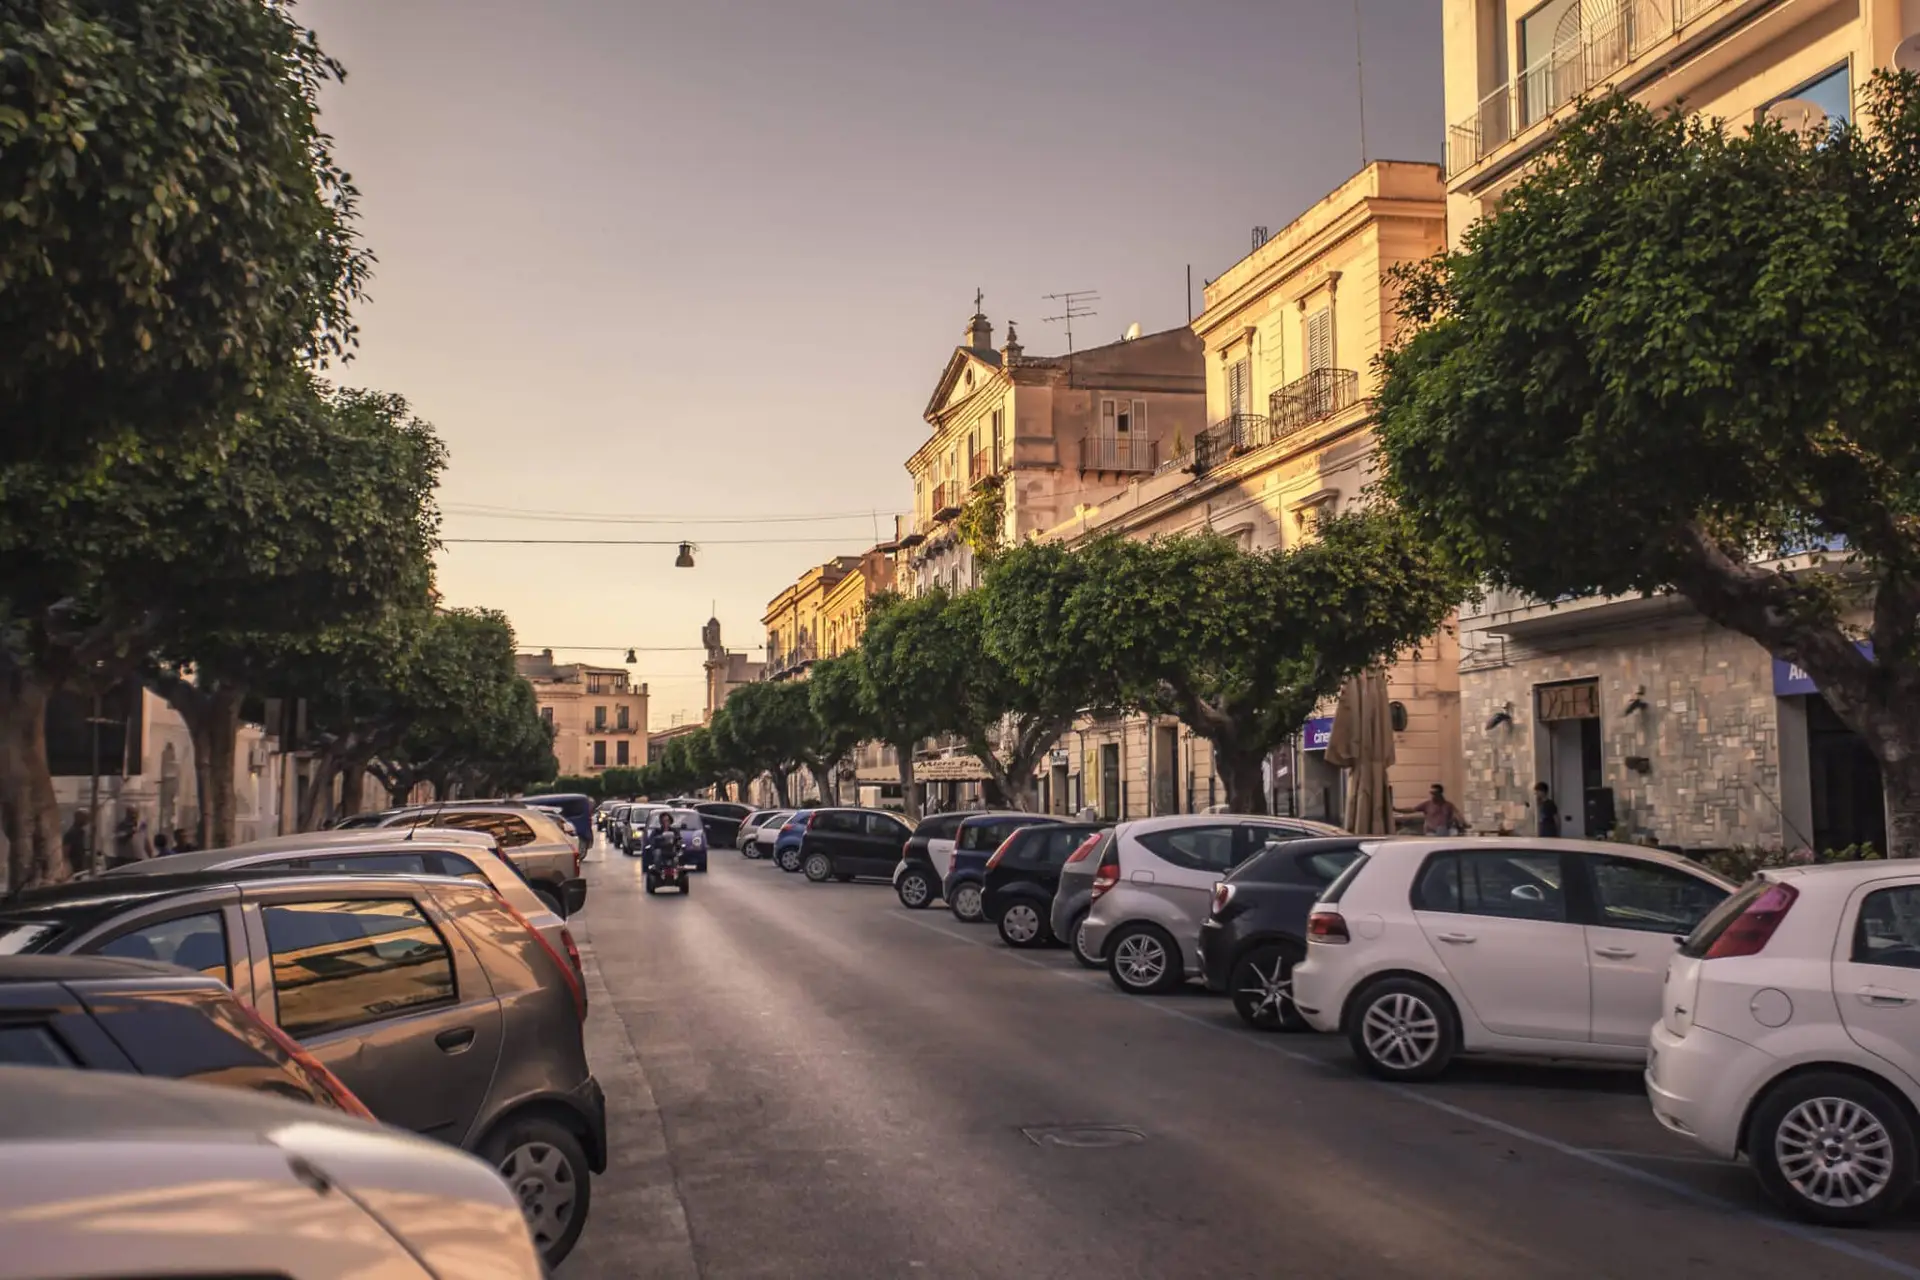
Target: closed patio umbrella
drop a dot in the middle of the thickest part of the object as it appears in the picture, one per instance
(1362, 744)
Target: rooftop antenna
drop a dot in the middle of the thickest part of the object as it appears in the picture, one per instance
(1074, 305)
(1360, 76)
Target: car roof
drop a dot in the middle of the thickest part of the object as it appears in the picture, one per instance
(1169, 821)
(1848, 872)
(107, 897)
(58, 1102)
(1421, 846)
(52, 968)
(996, 815)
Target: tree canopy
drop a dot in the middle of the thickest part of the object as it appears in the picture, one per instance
(1676, 353)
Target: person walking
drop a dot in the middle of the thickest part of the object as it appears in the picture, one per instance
(1546, 811)
(131, 843)
(1438, 816)
(78, 841)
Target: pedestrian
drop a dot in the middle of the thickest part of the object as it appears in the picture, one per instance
(161, 847)
(181, 842)
(1438, 817)
(131, 843)
(78, 841)
(1546, 810)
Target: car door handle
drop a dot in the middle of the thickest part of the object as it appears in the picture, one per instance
(1616, 953)
(456, 1040)
(1882, 998)
(1456, 938)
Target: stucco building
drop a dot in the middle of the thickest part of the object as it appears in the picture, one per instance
(1290, 334)
(1689, 735)
(725, 669)
(598, 715)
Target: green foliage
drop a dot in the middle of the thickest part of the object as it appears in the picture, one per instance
(836, 697)
(982, 521)
(623, 781)
(763, 728)
(593, 786)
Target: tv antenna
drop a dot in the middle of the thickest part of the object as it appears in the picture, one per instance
(1074, 305)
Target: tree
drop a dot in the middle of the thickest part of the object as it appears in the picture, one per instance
(909, 670)
(766, 727)
(321, 514)
(841, 718)
(173, 234)
(1674, 354)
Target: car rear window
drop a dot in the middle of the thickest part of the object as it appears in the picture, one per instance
(1095, 856)
(1345, 879)
(1208, 848)
(1715, 923)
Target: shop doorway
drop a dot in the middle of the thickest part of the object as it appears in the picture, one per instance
(1110, 781)
(1570, 739)
(1166, 769)
(1844, 782)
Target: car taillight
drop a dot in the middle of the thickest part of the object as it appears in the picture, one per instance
(1001, 852)
(1105, 878)
(573, 955)
(811, 818)
(1086, 848)
(576, 985)
(1749, 933)
(1222, 895)
(316, 1070)
(1327, 926)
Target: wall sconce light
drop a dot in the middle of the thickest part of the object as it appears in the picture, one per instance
(1638, 702)
(1503, 716)
(685, 559)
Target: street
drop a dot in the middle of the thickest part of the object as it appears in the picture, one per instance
(809, 1080)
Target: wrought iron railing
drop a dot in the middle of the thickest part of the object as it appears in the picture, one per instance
(1310, 399)
(1119, 453)
(1231, 435)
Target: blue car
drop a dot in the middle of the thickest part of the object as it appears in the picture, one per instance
(576, 808)
(973, 846)
(693, 835)
(786, 845)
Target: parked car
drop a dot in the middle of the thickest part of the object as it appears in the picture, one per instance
(437, 1006)
(840, 844)
(537, 843)
(114, 1175)
(1256, 927)
(1073, 899)
(979, 837)
(747, 841)
(786, 842)
(632, 820)
(1789, 1032)
(924, 861)
(470, 855)
(722, 820)
(576, 808)
(1016, 891)
(1154, 884)
(693, 833)
(1426, 949)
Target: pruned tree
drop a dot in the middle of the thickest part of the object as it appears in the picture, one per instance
(909, 680)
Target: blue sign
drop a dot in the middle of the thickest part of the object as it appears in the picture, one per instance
(1316, 734)
(1790, 681)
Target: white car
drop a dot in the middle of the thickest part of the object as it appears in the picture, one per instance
(104, 1174)
(1427, 949)
(1790, 1031)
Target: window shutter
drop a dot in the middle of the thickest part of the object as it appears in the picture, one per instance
(1238, 389)
(1320, 340)
(1140, 417)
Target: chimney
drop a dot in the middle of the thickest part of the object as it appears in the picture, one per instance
(1010, 352)
(979, 333)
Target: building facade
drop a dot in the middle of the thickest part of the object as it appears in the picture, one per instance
(725, 670)
(1041, 436)
(1643, 718)
(597, 714)
(1290, 334)
(794, 619)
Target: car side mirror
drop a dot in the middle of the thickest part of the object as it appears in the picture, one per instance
(1528, 893)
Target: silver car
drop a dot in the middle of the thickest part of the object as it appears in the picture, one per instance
(536, 841)
(102, 1173)
(1153, 885)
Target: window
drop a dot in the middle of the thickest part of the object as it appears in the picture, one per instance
(839, 821)
(623, 717)
(1325, 867)
(879, 824)
(452, 864)
(1489, 882)
(406, 864)
(999, 428)
(342, 964)
(600, 754)
(1240, 386)
(509, 830)
(546, 716)
(600, 719)
(620, 751)
(1550, 61)
(1631, 893)
(1057, 847)
(1196, 848)
(1888, 932)
(1320, 340)
(1831, 91)
(32, 1046)
(193, 942)
(985, 837)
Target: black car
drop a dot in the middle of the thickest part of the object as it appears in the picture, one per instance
(722, 819)
(1017, 892)
(926, 860)
(1257, 927)
(840, 844)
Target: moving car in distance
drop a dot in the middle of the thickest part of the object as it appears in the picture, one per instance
(978, 838)
(1154, 885)
(841, 844)
(438, 1007)
(1789, 1031)
(1017, 888)
(99, 1171)
(1425, 949)
(1256, 925)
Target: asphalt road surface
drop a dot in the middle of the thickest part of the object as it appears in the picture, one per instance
(809, 1080)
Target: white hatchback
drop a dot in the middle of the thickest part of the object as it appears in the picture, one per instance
(1427, 949)
(1790, 1032)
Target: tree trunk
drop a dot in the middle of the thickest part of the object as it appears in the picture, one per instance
(216, 742)
(29, 810)
(779, 789)
(909, 802)
(353, 787)
(823, 778)
(319, 798)
(1240, 771)
(1901, 782)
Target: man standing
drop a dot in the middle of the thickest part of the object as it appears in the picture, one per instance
(1546, 810)
(1438, 817)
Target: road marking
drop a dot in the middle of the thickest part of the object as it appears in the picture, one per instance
(1603, 1159)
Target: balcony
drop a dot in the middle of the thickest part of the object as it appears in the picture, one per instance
(1119, 453)
(1316, 397)
(1234, 434)
(946, 500)
(980, 466)
(1581, 63)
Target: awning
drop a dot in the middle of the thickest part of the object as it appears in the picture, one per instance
(950, 769)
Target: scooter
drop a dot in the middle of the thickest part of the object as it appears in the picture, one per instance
(666, 868)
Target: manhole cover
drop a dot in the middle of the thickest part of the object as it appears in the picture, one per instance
(1084, 1136)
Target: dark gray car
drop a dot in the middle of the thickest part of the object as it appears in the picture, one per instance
(1074, 897)
(442, 1010)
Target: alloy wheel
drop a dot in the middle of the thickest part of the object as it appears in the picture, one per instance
(543, 1182)
(1834, 1152)
(1021, 923)
(1266, 998)
(1140, 959)
(966, 902)
(818, 868)
(914, 890)
(1401, 1031)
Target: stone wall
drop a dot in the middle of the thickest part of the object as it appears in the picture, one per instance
(1709, 732)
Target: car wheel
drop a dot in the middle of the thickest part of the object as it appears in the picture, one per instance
(819, 867)
(787, 859)
(548, 901)
(651, 883)
(1833, 1148)
(686, 885)
(1144, 961)
(964, 902)
(1262, 986)
(544, 1165)
(1022, 925)
(914, 889)
(1077, 943)
(1403, 1029)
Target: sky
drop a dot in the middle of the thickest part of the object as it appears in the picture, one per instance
(697, 266)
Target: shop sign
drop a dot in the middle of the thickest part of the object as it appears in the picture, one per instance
(1790, 680)
(1316, 733)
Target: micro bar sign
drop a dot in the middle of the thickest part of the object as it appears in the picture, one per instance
(1570, 701)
